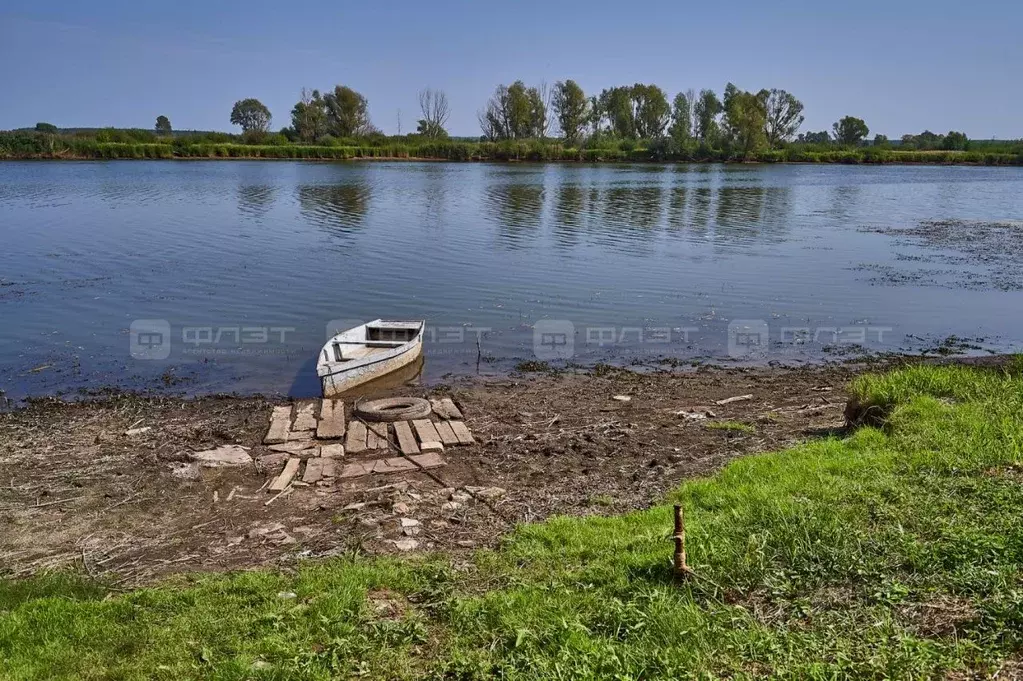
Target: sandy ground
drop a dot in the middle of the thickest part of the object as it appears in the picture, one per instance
(77, 492)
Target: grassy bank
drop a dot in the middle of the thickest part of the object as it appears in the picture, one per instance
(44, 146)
(894, 552)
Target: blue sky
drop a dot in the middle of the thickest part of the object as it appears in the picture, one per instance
(901, 66)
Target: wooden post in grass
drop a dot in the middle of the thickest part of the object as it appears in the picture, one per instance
(681, 567)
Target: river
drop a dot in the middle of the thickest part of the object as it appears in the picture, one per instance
(239, 268)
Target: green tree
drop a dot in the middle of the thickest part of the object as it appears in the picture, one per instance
(163, 126)
(955, 141)
(822, 137)
(881, 140)
(309, 116)
(434, 106)
(539, 111)
(651, 112)
(616, 107)
(251, 115)
(572, 109)
(510, 113)
(46, 127)
(784, 116)
(681, 130)
(347, 112)
(850, 130)
(707, 108)
(745, 119)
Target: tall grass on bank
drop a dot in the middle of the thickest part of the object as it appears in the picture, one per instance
(891, 553)
(47, 146)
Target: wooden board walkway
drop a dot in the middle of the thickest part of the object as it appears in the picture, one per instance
(332, 420)
(406, 441)
(356, 440)
(280, 425)
(462, 433)
(426, 431)
(447, 436)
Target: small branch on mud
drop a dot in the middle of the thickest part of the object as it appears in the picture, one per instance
(43, 505)
(287, 490)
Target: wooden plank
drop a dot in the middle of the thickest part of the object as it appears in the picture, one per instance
(372, 441)
(395, 464)
(462, 433)
(293, 447)
(328, 467)
(406, 441)
(280, 421)
(450, 408)
(431, 460)
(447, 436)
(305, 417)
(380, 430)
(313, 470)
(426, 431)
(332, 451)
(332, 420)
(284, 479)
(356, 440)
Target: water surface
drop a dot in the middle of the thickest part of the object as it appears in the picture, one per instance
(248, 264)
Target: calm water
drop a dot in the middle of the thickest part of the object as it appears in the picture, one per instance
(246, 264)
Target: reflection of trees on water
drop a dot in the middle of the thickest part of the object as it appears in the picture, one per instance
(569, 213)
(255, 200)
(337, 208)
(746, 214)
(518, 209)
(633, 206)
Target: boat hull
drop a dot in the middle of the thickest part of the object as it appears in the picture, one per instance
(346, 379)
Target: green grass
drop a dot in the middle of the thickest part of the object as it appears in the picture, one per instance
(895, 552)
(141, 144)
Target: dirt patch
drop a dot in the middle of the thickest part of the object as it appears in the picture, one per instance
(77, 491)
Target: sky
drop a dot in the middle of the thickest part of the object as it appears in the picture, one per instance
(901, 66)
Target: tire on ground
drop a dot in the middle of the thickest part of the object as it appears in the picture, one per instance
(393, 409)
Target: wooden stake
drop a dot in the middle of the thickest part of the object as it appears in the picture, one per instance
(681, 567)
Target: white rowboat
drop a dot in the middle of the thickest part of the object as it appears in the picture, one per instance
(367, 352)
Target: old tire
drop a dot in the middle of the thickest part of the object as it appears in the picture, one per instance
(393, 409)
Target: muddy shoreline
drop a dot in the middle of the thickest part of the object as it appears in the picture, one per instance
(95, 486)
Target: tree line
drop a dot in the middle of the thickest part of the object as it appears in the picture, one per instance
(743, 123)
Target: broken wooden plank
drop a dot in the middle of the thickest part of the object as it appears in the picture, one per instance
(406, 441)
(431, 460)
(394, 464)
(431, 446)
(372, 441)
(305, 417)
(293, 447)
(380, 430)
(356, 440)
(447, 436)
(449, 407)
(462, 433)
(737, 398)
(284, 479)
(280, 422)
(332, 451)
(445, 408)
(332, 420)
(426, 431)
(313, 470)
